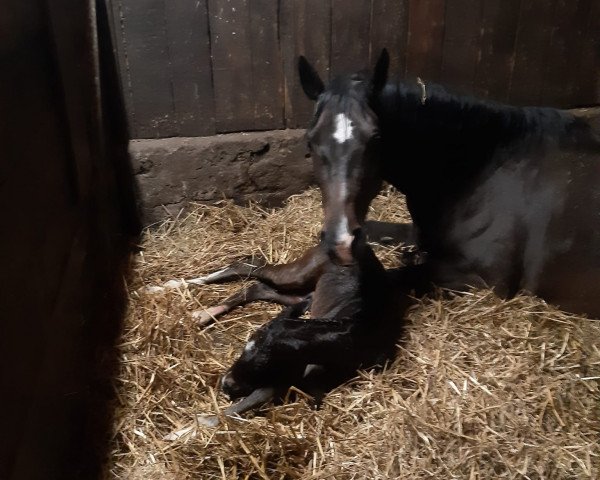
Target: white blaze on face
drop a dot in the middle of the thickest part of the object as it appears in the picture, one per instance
(342, 132)
(250, 346)
(343, 128)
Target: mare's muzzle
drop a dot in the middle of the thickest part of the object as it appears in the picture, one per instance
(340, 246)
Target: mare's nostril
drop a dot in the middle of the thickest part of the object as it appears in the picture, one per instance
(322, 235)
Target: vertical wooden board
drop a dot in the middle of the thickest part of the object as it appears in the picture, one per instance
(587, 86)
(289, 55)
(498, 34)
(350, 31)
(148, 58)
(461, 44)
(232, 64)
(267, 77)
(190, 67)
(533, 36)
(426, 21)
(389, 29)
(563, 53)
(115, 8)
(305, 29)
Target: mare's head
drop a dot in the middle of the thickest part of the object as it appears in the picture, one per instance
(343, 139)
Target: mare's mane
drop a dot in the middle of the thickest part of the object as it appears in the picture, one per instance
(401, 102)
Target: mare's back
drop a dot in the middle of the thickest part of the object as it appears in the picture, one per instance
(540, 204)
(569, 243)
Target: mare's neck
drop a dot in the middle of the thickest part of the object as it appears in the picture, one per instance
(436, 145)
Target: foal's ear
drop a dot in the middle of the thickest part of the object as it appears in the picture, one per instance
(310, 80)
(381, 70)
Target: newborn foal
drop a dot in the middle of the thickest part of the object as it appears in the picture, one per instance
(356, 318)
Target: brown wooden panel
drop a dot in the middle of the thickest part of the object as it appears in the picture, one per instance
(190, 67)
(498, 34)
(232, 64)
(267, 75)
(305, 29)
(389, 29)
(350, 31)
(533, 37)
(148, 59)
(563, 54)
(526, 51)
(425, 39)
(587, 91)
(461, 43)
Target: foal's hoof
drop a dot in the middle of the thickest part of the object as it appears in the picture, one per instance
(184, 432)
(211, 421)
(202, 317)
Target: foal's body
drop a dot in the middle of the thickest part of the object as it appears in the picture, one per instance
(500, 196)
(356, 318)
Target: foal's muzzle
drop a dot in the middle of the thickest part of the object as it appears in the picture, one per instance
(232, 388)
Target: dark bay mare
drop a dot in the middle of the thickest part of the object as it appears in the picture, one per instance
(500, 196)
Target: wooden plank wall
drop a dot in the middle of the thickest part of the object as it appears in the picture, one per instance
(197, 68)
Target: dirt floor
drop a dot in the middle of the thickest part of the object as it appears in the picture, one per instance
(480, 388)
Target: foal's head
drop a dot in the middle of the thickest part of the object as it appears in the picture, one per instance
(343, 138)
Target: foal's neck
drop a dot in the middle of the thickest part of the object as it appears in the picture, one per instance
(432, 137)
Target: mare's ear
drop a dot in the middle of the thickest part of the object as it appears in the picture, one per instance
(380, 74)
(309, 78)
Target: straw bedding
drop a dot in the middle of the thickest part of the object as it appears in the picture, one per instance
(480, 388)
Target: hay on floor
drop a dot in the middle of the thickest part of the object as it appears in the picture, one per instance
(480, 388)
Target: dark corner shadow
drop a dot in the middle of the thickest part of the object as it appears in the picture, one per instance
(63, 285)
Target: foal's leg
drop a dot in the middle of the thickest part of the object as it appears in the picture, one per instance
(300, 275)
(256, 399)
(256, 291)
